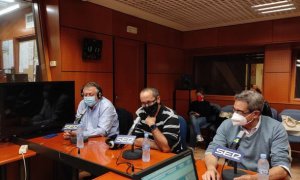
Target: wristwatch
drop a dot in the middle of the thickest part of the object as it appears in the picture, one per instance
(153, 127)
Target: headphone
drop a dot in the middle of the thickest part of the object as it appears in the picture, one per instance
(92, 84)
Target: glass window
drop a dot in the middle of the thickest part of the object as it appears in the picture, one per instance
(19, 60)
(228, 74)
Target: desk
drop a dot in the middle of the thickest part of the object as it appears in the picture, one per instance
(95, 157)
(9, 154)
(200, 165)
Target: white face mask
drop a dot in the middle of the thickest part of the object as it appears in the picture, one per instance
(90, 100)
(238, 120)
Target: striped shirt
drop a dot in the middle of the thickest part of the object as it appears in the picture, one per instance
(168, 124)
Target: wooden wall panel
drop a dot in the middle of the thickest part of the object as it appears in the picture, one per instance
(128, 73)
(286, 30)
(278, 58)
(105, 80)
(277, 87)
(163, 35)
(53, 31)
(162, 59)
(120, 23)
(85, 15)
(200, 38)
(13, 25)
(245, 34)
(165, 83)
(281, 106)
(71, 51)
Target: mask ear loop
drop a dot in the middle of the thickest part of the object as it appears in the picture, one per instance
(251, 120)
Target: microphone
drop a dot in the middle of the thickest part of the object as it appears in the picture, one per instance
(110, 141)
(79, 117)
(237, 140)
(135, 122)
(228, 173)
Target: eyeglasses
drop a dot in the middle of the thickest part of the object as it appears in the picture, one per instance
(148, 103)
(241, 112)
(88, 94)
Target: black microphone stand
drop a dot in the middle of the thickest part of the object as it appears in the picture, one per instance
(229, 174)
(132, 153)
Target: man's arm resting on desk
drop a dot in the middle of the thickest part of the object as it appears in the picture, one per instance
(276, 172)
(211, 165)
(139, 142)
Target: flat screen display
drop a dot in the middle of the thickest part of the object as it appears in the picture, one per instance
(34, 109)
(181, 167)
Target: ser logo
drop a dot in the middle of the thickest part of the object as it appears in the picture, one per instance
(125, 139)
(228, 154)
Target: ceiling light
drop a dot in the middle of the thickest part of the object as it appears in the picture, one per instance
(278, 10)
(298, 65)
(275, 7)
(298, 60)
(9, 9)
(10, 1)
(269, 4)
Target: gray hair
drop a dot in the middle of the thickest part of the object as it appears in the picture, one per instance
(154, 91)
(254, 100)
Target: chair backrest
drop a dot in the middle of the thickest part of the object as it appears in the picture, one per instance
(274, 113)
(125, 120)
(183, 131)
(293, 113)
(227, 108)
(215, 111)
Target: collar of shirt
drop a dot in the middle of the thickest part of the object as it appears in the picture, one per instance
(253, 130)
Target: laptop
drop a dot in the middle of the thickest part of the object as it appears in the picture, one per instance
(180, 167)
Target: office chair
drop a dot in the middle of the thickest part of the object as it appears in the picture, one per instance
(294, 140)
(274, 113)
(125, 120)
(183, 131)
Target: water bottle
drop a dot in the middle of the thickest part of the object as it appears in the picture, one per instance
(79, 133)
(146, 148)
(263, 167)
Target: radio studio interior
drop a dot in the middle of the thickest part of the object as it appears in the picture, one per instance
(149, 89)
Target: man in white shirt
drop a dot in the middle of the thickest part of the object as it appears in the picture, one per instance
(96, 114)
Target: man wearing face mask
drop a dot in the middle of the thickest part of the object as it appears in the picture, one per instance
(96, 114)
(263, 135)
(160, 121)
(199, 112)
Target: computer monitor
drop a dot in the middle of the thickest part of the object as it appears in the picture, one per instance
(180, 167)
(35, 108)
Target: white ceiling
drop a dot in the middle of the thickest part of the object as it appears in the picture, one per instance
(186, 15)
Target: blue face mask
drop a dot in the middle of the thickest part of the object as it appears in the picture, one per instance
(90, 100)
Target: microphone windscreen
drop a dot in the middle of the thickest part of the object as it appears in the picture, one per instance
(110, 142)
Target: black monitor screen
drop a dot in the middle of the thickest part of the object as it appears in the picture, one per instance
(180, 167)
(35, 108)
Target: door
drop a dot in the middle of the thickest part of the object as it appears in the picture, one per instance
(129, 73)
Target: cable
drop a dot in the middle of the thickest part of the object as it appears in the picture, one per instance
(130, 165)
(225, 160)
(25, 171)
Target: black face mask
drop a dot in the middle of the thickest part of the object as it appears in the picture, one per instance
(151, 110)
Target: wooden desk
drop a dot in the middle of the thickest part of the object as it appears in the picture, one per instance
(9, 154)
(96, 152)
(200, 165)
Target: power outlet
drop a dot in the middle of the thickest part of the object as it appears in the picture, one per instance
(52, 63)
(23, 149)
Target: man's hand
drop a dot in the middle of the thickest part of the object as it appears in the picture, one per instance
(68, 134)
(150, 121)
(211, 174)
(246, 177)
